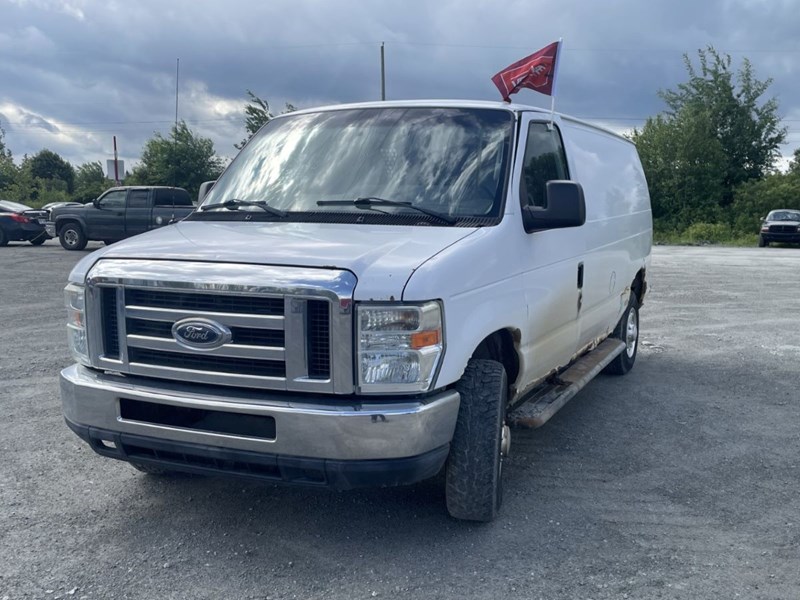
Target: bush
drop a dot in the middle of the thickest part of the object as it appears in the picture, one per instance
(711, 233)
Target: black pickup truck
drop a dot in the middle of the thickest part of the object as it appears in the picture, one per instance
(119, 213)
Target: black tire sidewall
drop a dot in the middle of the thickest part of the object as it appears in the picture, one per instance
(474, 470)
(3, 237)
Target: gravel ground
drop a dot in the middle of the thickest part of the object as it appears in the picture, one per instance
(679, 480)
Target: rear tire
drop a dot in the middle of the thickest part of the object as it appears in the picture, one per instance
(72, 237)
(762, 242)
(627, 330)
(474, 484)
(38, 241)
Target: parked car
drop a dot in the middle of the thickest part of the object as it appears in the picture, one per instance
(362, 298)
(781, 225)
(19, 222)
(119, 213)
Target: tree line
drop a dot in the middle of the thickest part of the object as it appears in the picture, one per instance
(710, 157)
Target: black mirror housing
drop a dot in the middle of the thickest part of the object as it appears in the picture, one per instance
(566, 207)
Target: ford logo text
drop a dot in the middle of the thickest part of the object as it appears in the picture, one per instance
(200, 334)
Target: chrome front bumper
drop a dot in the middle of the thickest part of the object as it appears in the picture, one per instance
(305, 425)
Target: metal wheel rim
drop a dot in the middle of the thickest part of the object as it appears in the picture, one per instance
(70, 237)
(631, 332)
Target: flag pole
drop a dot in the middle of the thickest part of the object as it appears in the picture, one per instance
(555, 79)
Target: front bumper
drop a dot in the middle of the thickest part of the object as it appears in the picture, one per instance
(787, 238)
(50, 228)
(327, 429)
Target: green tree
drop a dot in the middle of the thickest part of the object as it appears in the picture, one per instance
(716, 134)
(48, 165)
(256, 115)
(8, 170)
(183, 160)
(90, 182)
(794, 164)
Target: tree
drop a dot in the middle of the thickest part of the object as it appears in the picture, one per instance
(715, 135)
(794, 164)
(90, 182)
(8, 170)
(256, 115)
(184, 160)
(48, 165)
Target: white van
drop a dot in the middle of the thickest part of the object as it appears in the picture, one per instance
(366, 296)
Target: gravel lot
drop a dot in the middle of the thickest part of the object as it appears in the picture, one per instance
(679, 480)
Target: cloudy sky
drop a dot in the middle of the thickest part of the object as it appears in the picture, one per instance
(73, 73)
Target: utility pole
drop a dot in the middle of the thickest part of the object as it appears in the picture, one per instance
(116, 163)
(383, 75)
(177, 75)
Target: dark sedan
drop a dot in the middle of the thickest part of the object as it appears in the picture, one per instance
(21, 223)
(780, 226)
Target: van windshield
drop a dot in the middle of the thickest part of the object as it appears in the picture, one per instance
(451, 161)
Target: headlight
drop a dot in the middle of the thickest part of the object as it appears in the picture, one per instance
(76, 322)
(399, 347)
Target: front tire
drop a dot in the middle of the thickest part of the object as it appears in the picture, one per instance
(72, 237)
(762, 242)
(474, 485)
(627, 330)
(3, 237)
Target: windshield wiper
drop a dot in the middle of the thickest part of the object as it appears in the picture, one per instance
(234, 204)
(370, 201)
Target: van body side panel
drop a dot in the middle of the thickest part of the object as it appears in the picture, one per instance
(618, 229)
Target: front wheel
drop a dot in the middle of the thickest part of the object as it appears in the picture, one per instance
(762, 242)
(3, 237)
(72, 237)
(474, 484)
(627, 330)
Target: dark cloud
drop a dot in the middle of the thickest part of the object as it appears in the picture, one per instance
(76, 72)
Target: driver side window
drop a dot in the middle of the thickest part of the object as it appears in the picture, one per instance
(544, 161)
(114, 200)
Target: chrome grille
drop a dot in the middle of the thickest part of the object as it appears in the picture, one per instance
(284, 323)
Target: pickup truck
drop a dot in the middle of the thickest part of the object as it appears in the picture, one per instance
(369, 294)
(119, 213)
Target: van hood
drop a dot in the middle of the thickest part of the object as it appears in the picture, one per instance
(381, 257)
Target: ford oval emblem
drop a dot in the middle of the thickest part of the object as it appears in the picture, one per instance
(200, 334)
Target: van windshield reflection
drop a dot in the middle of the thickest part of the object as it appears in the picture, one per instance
(450, 162)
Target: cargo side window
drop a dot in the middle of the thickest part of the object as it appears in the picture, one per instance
(138, 198)
(544, 161)
(172, 197)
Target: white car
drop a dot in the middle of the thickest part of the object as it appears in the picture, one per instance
(364, 296)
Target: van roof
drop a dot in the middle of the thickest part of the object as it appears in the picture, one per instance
(454, 103)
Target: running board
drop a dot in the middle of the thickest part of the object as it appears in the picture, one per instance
(544, 402)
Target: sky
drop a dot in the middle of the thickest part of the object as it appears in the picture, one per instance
(75, 73)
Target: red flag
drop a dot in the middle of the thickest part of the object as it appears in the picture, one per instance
(536, 72)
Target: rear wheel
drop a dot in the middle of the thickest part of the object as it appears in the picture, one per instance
(762, 242)
(38, 241)
(474, 484)
(72, 237)
(627, 330)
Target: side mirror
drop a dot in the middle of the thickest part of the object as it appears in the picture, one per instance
(96, 202)
(205, 187)
(566, 207)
